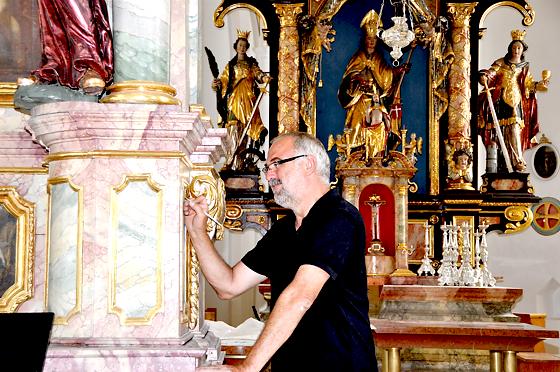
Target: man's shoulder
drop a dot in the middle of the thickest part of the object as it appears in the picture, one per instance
(337, 208)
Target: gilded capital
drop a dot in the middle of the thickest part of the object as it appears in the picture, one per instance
(288, 13)
(461, 13)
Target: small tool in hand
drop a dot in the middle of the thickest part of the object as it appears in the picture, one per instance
(210, 217)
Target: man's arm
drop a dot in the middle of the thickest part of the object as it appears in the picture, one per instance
(290, 307)
(228, 282)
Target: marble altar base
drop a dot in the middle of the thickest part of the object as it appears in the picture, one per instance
(437, 303)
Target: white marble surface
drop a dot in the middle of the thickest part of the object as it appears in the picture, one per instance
(141, 40)
(64, 251)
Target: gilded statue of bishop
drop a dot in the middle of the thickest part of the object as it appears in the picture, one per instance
(366, 91)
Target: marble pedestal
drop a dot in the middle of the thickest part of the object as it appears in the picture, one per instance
(427, 302)
(436, 303)
(121, 276)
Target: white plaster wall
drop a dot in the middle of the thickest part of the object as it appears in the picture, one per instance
(529, 260)
(233, 248)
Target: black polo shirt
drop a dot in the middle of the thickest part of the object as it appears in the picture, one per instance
(334, 334)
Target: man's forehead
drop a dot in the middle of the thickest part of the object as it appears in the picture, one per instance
(280, 148)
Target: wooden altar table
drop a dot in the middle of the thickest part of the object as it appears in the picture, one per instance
(502, 339)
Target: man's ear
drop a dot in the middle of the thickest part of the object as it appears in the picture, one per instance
(310, 164)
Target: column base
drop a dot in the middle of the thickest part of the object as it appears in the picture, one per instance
(141, 91)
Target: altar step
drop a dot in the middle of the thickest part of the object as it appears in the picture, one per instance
(538, 362)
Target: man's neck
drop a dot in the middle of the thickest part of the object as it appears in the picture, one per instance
(308, 201)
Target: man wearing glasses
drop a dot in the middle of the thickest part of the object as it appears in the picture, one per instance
(314, 258)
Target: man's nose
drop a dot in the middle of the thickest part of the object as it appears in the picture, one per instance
(270, 174)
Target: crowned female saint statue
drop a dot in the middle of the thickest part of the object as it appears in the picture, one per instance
(238, 87)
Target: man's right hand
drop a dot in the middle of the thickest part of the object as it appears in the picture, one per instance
(195, 218)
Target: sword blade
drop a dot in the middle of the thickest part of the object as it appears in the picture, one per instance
(498, 129)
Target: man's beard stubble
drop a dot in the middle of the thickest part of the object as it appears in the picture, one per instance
(282, 197)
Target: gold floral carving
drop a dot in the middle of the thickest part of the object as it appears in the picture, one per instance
(288, 67)
(191, 308)
(206, 182)
(442, 57)
(312, 43)
(213, 189)
(521, 217)
(484, 186)
(463, 201)
(234, 213)
(23, 212)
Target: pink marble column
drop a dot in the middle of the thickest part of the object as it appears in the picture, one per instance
(288, 67)
(459, 130)
(119, 271)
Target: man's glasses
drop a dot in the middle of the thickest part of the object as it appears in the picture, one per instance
(276, 163)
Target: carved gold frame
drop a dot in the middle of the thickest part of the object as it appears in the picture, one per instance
(24, 213)
(113, 305)
(64, 319)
